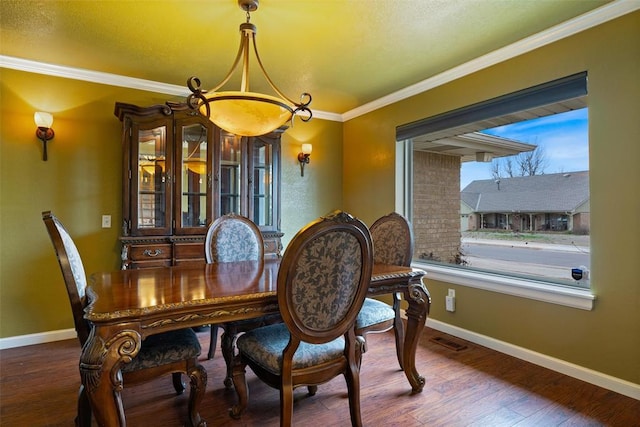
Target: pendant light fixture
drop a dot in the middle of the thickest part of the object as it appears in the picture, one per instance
(243, 112)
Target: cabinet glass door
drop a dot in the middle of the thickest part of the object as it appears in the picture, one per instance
(151, 179)
(230, 173)
(262, 183)
(192, 207)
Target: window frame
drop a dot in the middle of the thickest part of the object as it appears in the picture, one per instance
(547, 93)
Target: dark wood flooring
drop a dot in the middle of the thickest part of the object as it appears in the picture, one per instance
(471, 387)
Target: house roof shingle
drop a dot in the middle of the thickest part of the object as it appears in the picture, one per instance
(559, 192)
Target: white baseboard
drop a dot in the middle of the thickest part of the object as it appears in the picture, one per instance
(593, 377)
(40, 338)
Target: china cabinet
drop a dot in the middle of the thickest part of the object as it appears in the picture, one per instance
(180, 172)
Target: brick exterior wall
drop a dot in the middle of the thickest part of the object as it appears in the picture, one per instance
(436, 206)
(582, 223)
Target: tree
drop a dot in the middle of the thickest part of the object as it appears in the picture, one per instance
(529, 163)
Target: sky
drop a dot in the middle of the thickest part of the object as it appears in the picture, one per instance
(563, 137)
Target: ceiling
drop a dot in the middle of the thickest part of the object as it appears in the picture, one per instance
(346, 53)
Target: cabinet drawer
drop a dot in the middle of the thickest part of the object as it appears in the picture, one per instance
(147, 264)
(149, 252)
(190, 261)
(186, 251)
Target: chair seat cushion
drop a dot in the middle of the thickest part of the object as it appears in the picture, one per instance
(374, 312)
(165, 348)
(264, 346)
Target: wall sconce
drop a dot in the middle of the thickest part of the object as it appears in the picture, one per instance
(303, 157)
(44, 131)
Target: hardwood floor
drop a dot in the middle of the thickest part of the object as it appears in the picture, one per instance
(471, 387)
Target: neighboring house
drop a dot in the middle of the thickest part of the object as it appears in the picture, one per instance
(554, 202)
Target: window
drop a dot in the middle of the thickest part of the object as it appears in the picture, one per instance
(483, 235)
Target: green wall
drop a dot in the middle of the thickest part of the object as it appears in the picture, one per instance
(352, 167)
(81, 181)
(606, 339)
(320, 190)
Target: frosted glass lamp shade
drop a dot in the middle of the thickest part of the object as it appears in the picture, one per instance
(43, 120)
(246, 113)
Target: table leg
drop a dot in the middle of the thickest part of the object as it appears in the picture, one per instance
(100, 373)
(419, 303)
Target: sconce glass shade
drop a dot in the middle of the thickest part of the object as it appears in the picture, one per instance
(43, 120)
(307, 148)
(246, 113)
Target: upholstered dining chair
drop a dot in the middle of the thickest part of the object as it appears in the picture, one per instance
(322, 282)
(176, 351)
(393, 244)
(230, 238)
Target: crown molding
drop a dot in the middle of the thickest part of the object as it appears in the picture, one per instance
(113, 80)
(583, 22)
(91, 76)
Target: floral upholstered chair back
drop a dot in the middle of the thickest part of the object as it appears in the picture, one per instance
(72, 269)
(392, 240)
(232, 238)
(324, 276)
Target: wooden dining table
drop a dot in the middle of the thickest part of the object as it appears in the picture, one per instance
(126, 306)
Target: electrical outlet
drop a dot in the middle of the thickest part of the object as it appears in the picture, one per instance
(450, 303)
(106, 221)
(452, 293)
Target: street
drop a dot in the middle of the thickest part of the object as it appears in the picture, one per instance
(517, 257)
(524, 254)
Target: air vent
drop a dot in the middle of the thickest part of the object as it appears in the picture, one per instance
(451, 345)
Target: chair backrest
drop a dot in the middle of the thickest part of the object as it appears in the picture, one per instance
(324, 276)
(392, 240)
(233, 237)
(72, 272)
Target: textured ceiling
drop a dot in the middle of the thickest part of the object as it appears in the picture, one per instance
(346, 53)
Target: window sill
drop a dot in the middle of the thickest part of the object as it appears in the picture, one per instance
(525, 288)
